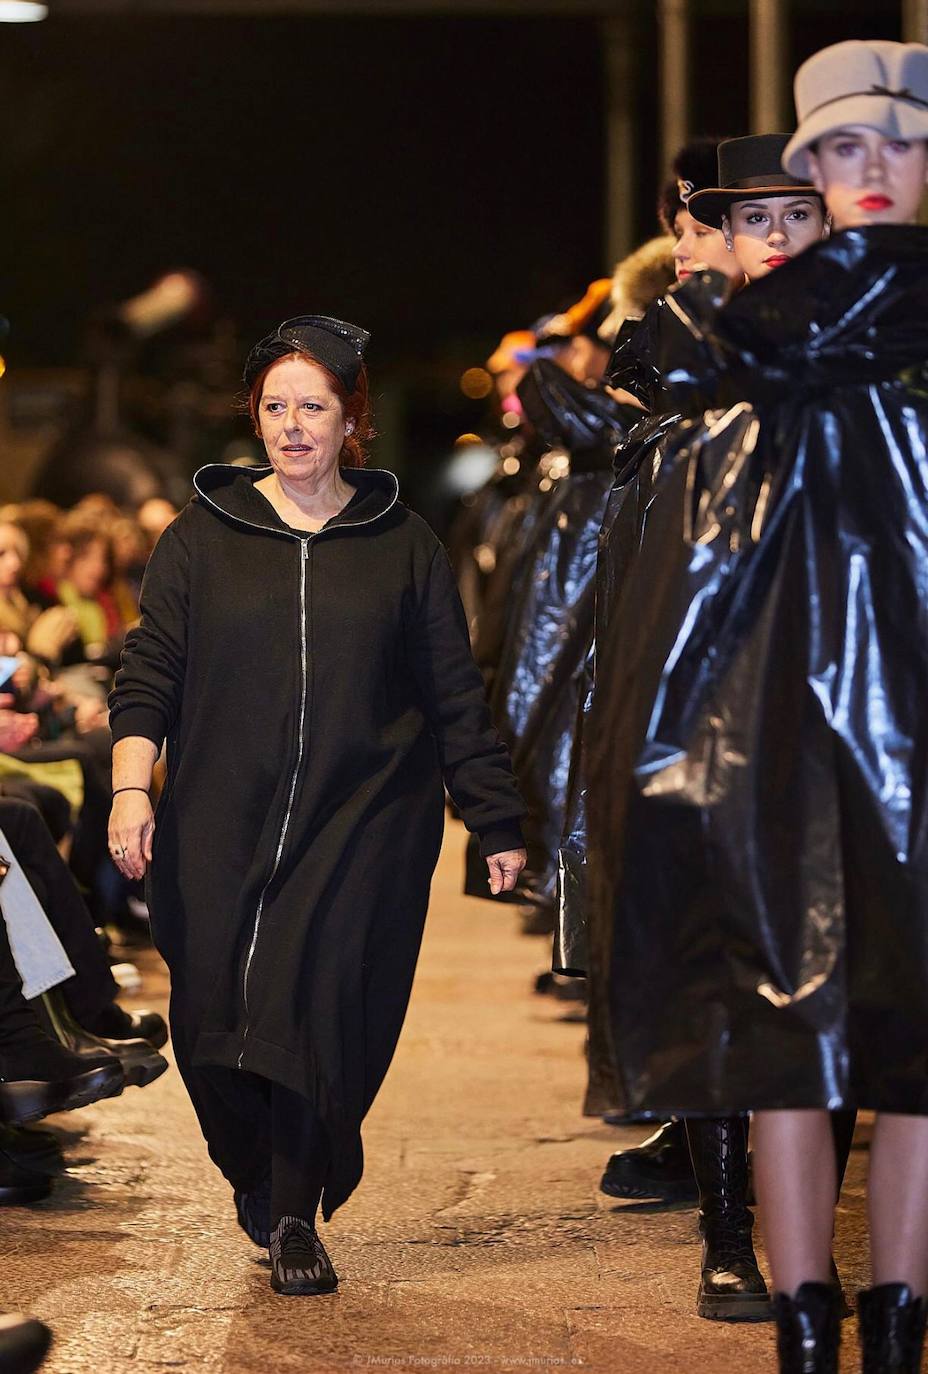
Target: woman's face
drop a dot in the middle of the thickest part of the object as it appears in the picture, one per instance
(12, 556)
(767, 233)
(302, 421)
(699, 246)
(90, 568)
(868, 179)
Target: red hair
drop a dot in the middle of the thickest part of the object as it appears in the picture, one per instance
(355, 404)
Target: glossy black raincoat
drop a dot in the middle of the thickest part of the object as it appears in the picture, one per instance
(537, 685)
(757, 786)
(644, 348)
(314, 690)
(479, 540)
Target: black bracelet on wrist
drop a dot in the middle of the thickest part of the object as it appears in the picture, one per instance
(130, 789)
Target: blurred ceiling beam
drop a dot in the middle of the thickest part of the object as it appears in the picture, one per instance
(614, 9)
(621, 72)
(771, 111)
(915, 21)
(675, 82)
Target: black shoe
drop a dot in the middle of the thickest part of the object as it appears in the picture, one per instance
(39, 1076)
(299, 1263)
(37, 1151)
(537, 920)
(21, 1186)
(560, 987)
(808, 1329)
(115, 1023)
(141, 1063)
(731, 1286)
(659, 1169)
(24, 1343)
(892, 1329)
(254, 1213)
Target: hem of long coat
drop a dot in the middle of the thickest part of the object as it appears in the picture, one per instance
(277, 1065)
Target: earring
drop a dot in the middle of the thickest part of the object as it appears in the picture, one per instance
(730, 245)
(349, 428)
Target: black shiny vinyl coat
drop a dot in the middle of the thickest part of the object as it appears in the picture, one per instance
(536, 686)
(758, 789)
(314, 691)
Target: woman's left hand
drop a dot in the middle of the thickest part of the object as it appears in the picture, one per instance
(505, 869)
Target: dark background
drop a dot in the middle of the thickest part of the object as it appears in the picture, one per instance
(438, 179)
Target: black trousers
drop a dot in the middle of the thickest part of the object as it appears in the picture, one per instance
(255, 1128)
(93, 987)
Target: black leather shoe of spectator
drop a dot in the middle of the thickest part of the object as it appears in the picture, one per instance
(24, 1343)
(115, 1023)
(39, 1076)
(36, 1151)
(141, 1062)
(21, 1186)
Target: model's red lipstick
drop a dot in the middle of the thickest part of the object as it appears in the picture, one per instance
(875, 202)
(777, 259)
(684, 274)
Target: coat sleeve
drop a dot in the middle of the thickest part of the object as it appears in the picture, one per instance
(474, 761)
(146, 696)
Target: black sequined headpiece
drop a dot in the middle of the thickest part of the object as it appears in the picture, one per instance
(339, 346)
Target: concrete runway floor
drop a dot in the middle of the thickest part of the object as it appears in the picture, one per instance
(478, 1238)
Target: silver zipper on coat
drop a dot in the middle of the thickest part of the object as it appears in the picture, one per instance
(304, 552)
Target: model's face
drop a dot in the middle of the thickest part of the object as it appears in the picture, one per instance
(868, 179)
(584, 359)
(767, 233)
(12, 557)
(699, 246)
(302, 421)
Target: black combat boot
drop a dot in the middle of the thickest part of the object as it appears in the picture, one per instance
(808, 1329)
(660, 1168)
(892, 1329)
(731, 1287)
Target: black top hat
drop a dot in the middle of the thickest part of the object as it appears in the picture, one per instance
(746, 165)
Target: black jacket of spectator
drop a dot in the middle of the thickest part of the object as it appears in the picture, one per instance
(314, 689)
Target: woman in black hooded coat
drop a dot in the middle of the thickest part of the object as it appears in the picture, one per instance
(304, 652)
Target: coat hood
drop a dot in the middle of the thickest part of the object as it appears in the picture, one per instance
(230, 491)
(850, 310)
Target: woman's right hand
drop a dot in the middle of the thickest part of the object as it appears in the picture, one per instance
(131, 831)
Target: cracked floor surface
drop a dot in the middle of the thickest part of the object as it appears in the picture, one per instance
(477, 1240)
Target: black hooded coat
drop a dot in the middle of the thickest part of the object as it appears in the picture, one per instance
(757, 764)
(314, 690)
(537, 684)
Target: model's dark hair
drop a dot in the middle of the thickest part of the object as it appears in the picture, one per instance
(356, 405)
(696, 162)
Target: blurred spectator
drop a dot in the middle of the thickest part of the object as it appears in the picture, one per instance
(153, 517)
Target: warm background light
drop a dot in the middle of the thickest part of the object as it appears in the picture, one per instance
(476, 383)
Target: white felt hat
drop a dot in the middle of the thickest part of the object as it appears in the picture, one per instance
(874, 82)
